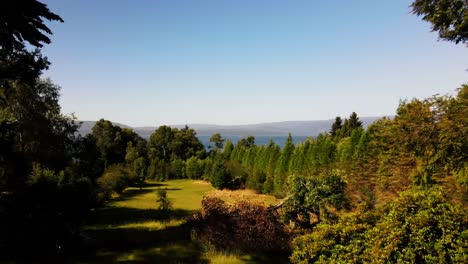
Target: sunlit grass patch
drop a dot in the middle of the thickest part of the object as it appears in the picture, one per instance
(243, 195)
(216, 257)
(152, 225)
(131, 228)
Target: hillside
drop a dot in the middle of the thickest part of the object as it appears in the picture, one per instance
(296, 128)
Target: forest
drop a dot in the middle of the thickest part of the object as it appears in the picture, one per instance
(395, 191)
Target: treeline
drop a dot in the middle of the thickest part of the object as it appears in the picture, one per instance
(51, 178)
(425, 144)
(390, 193)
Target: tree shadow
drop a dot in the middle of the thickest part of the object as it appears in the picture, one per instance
(148, 185)
(169, 189)
(171, 244)
(129, 194)
(126, 215)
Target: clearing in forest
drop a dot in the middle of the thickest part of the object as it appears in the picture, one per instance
(130, 229)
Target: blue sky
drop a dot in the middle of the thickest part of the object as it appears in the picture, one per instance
(146, 63)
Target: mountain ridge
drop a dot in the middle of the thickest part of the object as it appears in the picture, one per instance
(281, 128)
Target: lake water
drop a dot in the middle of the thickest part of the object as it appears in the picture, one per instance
(259, 140)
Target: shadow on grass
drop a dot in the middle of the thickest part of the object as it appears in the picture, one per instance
(126, 215)
(129, 194)
(149, 185)
(169, 189)
(141, 245)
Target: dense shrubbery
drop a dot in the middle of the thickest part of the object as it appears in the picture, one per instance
(243, 226)
(312, 200)
(420, 226)
(114, 179)
(164, 204)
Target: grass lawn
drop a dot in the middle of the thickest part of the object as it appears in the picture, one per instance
(130, 229)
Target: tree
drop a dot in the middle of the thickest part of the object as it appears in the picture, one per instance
(186, 144)
(228, 148)
(32, 129)
(217, 140)
(350, 124)
(336, 126)
(22, 21)
(448, 17)
(354, 122)
(168, 149)
(220, 176)
(194, 168)
(247, 142)
(313, 196)
(163, 201)
(159, 144)
(112, 141)
(282, 166)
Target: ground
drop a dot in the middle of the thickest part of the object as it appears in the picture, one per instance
(130, 229)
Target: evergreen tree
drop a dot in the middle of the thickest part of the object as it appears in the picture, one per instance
(336, 127)
(228, 148)
(354, 122)
(283, 166)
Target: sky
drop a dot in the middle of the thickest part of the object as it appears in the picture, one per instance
(156, 62)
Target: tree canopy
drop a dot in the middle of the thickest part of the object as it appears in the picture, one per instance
(448, 17)
(24, 20)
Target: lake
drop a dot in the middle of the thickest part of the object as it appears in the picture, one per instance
(259, 140)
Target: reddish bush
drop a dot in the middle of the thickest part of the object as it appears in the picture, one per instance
(244, 226)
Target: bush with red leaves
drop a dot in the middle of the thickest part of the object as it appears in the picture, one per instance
(244, 226)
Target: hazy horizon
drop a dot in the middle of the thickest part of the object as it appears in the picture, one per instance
(215, 124)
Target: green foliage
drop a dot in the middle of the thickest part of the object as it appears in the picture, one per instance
(177, 169)
(113, 143)
(162, 200)
(139, 169)
(32, 129)
(114, 179)
(448, 17)
(194, 168)
(418, 227)
(169, 149)
(330, 243)
(314, 197)
(336, 126)
(282, 167)
(246, 142)
(228, 148)
(217, 140)
(220, 177)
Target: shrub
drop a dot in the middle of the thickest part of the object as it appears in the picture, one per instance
(220, 177)
(244, 226)
(114, 179)
(418, 227)
(316, 197)
(163, 201)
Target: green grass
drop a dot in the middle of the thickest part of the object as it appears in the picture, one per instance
(130, 229)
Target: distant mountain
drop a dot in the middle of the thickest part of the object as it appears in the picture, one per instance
(296, 128)
(86, 126)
